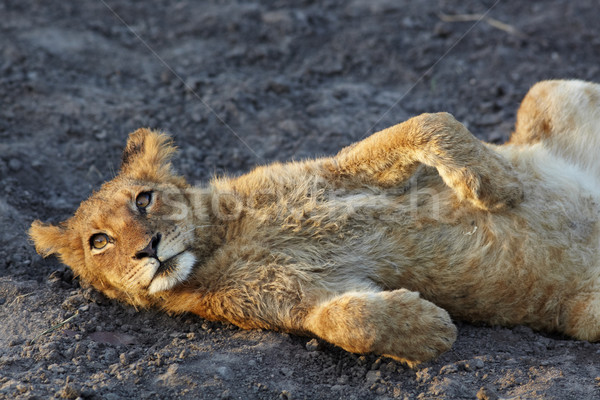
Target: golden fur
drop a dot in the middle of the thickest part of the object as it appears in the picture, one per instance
(373, 249)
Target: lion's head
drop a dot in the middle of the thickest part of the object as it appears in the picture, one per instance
(136, 236)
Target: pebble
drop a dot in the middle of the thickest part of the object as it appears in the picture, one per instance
(476, 364)
(55, 368)
(101, 135)
(448, 369)
(373, 377)
(15, 165)
(376, 365)
(312, 345)
(380, 389)
(110, 354)
(22, 388)
(69, 392)
(223, 371)
(423, 375)
(486, 393)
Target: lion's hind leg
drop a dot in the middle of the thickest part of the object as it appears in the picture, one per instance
(582, 317)
(398, 324)
(565, 117)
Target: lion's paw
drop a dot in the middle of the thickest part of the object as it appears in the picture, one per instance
(421, 332)
(495, 186)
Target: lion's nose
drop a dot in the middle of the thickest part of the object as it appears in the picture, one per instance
(150, 250)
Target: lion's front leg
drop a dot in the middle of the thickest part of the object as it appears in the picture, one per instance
(398, 324)
(388, 158)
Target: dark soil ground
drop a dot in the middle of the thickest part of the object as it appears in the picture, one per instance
(241, 83)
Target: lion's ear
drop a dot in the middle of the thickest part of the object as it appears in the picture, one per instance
(48, 239)
(147, 156)
(61, 241)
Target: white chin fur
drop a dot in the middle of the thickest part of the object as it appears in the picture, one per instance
(185, 262)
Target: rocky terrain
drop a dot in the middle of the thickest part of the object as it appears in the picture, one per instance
(243, 83)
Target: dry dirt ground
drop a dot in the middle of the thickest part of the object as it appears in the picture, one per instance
(241, 83)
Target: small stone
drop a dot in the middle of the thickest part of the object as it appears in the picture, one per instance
(380, 389)
(224, 372)
(285, 395)
(373, 377)
(101, 135)
(486, 393)
(312, 345)
(110, 354)
(69, 392)
(55, 368)
(15, 165)
(448, 369)
(278, 87)
(389, 367)
(476, 364)
(376, 365)
(423, 375)
(442, 29)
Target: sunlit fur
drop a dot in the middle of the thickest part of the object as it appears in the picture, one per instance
(371, 249)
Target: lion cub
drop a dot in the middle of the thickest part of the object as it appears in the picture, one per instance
(373, 248)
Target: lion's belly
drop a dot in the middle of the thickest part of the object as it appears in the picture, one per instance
(515, 267)
(509, 267)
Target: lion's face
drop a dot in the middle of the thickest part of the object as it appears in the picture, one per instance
(134, 237)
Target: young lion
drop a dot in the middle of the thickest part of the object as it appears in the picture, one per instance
(367, 249)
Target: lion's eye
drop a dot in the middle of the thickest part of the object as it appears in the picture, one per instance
(99, 241)
(143, 200)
